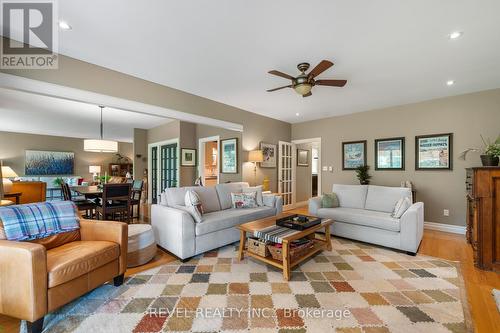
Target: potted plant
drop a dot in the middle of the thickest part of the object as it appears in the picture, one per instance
(490, 152)
(362, 174)
(58, 182)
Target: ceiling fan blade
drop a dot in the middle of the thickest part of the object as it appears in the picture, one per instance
(307, 95)
(270, 90)
(331, 83)
(278, 73)
(320, 68)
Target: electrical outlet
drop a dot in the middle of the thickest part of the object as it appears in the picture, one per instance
(446, 212)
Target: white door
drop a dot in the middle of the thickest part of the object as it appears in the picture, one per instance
(286, 173)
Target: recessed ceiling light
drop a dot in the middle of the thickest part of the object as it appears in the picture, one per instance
(455, 34)
(450, 82)
(64, 25)
(297, 114)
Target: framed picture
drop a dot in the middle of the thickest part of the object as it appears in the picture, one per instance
(49, 163)
(229, 155)
(188, 157)
(269, 152)
(434, 152)
(353, 154)
(390, 154)
(302, 157)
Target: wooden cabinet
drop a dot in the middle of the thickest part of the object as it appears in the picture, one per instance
(120, 170)
(30, 191)
(483, 216)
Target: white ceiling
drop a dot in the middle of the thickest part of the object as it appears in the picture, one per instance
(30, 113)
(392, 52)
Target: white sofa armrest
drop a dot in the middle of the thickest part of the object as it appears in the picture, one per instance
(314, 205)
(412, 227)
(275, 201)
(174, 230)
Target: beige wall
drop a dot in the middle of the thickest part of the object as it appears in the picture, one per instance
(13, 145)
(164, 132)
(81, 75)
(187, 139)
(140, 152)
(466, 116)
(303, 186)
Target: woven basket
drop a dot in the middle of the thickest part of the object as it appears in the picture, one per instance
(277, 252)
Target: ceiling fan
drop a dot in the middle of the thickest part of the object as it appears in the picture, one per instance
(303, 83)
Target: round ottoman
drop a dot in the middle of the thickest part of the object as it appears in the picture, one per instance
(141, 244)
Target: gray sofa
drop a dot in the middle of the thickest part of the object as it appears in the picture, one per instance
(364, 214)
(176, 231)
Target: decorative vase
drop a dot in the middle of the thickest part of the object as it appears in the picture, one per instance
(489, 160)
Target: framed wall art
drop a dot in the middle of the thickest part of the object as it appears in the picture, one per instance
(434, 152)
(390, 154)
(229, 155)
(188, 157)
(353, 154)
(302, 157)
(270, 152)
(49, 163)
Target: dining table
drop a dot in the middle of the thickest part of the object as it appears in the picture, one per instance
(88, 190)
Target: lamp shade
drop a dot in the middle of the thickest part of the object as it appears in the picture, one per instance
(94, 169)
(100, 146)
(255, 156)
(303, 88)
(7, 172)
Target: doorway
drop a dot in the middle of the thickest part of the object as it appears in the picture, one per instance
(164, 165)
(208, 168)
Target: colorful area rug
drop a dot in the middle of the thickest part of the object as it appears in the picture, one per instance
(354, 288)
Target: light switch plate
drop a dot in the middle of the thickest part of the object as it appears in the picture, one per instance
(330, 168)
(324, 168)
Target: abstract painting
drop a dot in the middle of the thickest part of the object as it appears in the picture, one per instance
(353, 154)
(49, 163)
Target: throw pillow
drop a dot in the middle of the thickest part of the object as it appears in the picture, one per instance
(400, 208)
(193, 205)
(329, 200)
(244, 200)
(258, 190)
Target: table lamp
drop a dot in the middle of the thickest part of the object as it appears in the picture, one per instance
(255, 156)
(94, 170)
(7, 173)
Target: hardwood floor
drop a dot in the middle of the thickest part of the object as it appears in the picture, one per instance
(479, 284)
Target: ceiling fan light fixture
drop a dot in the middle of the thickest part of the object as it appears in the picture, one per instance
(303, 88)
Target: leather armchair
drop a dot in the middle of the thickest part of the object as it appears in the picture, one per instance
(35, 279)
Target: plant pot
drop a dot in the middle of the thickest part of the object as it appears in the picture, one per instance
(489, 160)
(364, 182)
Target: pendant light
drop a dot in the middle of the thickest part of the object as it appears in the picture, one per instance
(100, 145)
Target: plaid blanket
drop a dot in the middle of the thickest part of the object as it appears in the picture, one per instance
(39, 220)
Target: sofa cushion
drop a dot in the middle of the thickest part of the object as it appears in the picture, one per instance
(224, 192)
(71, 260)
(351, 196)
(258, 191)
(194, 206)
(208, 196)
(228, 218)
(384, 198)
(368, 218)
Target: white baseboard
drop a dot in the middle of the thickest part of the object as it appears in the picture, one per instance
(455, 229)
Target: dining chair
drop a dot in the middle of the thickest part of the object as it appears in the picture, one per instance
(135, 197)
(115, 202)
(82, 204)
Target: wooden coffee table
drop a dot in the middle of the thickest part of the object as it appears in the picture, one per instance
(287, 263)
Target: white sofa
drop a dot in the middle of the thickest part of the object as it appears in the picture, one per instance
(176, 231)
(364, 214)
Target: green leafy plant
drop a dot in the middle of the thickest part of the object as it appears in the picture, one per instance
(489, 148)
(58, 181)
(104, 179)
(363, 175)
